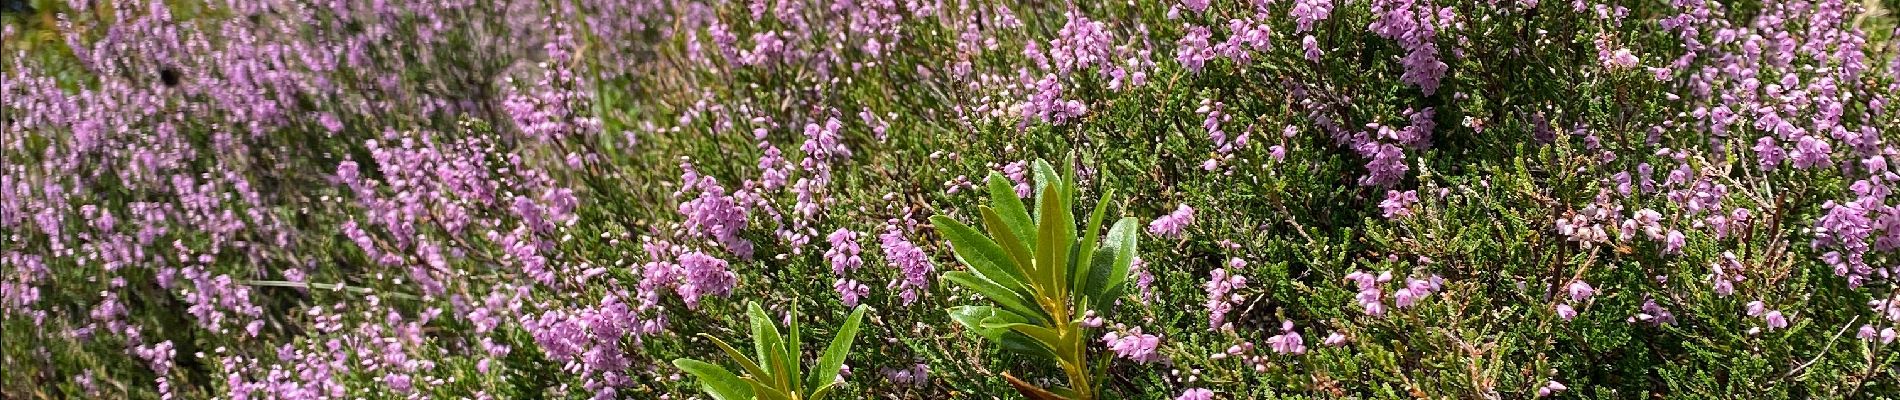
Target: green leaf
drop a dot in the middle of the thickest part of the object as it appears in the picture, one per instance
(716, 381)
(1092, 237)
(823, 391)
(982, 255)
(793, 354)
(1012, 245)
(1020, 343)
(1030, 391)
(1044, 335)
(1010, 206)
(833, 360)
(973, 317)
(1055, 227)
(744, 363)
(1112, 262)
(766, 392)
(1010, 300)
(1045, 177)
(770, 346)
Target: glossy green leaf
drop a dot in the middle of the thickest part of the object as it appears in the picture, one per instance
(1030, 391)
(823, 391)
(982, 255)
(1112, 262)
(1012, 245)
(715, 380)
(1055, 228)
(1046, 178)
(833, 360)
(750, 367)
(1009, 300)
(1091, 237)
(770, 347)
(1010, 207)
(794, 355)
(765, 391)
(974, 317)
(1044, 335)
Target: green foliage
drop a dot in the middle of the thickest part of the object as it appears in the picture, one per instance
(775, 375)
(1041, 278)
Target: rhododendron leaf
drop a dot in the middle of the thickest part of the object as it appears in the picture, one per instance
(982, 255)
(1012, 245)
(1055, 236)
(1112, 262)
(769, 345)
(1046, 179)
(833, 360)
(973, 317)
(1023, 344)
(715, 380)
(744, 363)
(1010, 206)
(793, 354)
(1030, 391)
(823, 391)
(1081, 262)
(1047, 337)
(1009, 300)
(765, 391)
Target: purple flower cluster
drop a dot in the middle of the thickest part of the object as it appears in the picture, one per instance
(1371, 297)
(1131, 344)
(1221, 296)
(1173, 225)
(844, 259)
(910, 261)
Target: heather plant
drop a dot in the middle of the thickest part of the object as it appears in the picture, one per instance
(1043, 278)
(1338, 199)
(777, 371)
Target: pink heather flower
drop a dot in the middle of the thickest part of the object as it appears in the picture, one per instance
(1220, 295)
(1867, 333)
(1403, 298)
(1308, 12)
(850, 291)
(1090, 320)
(1196, 6)
(1288, 341)
(1775, 320)
(1196, 394)
(705, 275)
(1756, 308)
(1550, 389)
(1018, 173)
(1566, 312)
(1334, 339)
(1673, 242)
(1619, 59)
(1133, 345)
(916, 375)
(1310, 46)
(908, 259)
(1580, 291)
(1193, 50)
(1768, 153)
(1810, 152)
(844, 251)
(1398, 204)
(1653, 314)
(1174, 223)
